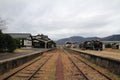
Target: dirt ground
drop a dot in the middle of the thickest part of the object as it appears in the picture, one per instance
(112, 50)
(108, 53)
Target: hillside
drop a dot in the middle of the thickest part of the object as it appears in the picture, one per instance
(111, 38)
(80, 39)
(73, 38)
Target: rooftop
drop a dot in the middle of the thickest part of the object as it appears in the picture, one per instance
(19, 35)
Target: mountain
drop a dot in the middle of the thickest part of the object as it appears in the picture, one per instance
(75, 39)
(92, 38)
(111, 38)
(62, 41)
(80, 39)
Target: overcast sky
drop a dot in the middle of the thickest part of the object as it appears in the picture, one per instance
(62, 18)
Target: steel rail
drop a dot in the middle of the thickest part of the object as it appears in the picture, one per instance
(38, 69)
(77, 66)
(91, 66)
(21, 69)
(94, 68)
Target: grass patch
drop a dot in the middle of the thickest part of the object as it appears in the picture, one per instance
(22, 50)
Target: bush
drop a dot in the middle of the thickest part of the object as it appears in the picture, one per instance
(10, 43)
(17, 41)
(1, 42)
(7, 43)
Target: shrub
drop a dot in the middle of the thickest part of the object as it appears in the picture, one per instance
(10, 43)
(1, 41)
(7, 43)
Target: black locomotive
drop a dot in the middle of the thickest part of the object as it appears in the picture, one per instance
(91, 45)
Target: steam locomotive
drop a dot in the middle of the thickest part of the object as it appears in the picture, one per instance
(91, 45)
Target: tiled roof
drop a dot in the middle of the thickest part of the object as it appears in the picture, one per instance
(19, 35)
(41, 37)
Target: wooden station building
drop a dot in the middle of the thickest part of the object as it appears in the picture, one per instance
(37, 41)
(42, 41)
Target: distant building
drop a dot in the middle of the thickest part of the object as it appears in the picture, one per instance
(112, 44)
(71, 44)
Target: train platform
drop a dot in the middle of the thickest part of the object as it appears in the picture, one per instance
(108, 58)
(10, 61)
(20, 52)
(107, 53)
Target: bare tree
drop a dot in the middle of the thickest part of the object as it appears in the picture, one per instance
(3, 24)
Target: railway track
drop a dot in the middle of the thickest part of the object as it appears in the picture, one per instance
(94, 68)
(84, 77)
(78, 63)
(29, 71)
(59, 64)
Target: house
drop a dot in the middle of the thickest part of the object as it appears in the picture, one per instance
(24, 38)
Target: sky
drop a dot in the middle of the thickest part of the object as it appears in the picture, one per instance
(61, 18)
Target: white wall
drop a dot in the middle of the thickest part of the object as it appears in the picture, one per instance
(27, 43)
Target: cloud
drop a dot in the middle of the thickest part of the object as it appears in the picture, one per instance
(62, 18)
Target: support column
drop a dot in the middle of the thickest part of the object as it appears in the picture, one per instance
(118, 45)
(45, 45)
(103, 46)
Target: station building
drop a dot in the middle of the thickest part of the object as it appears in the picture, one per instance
(37, 41)
(24, 38)
(42, 41)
